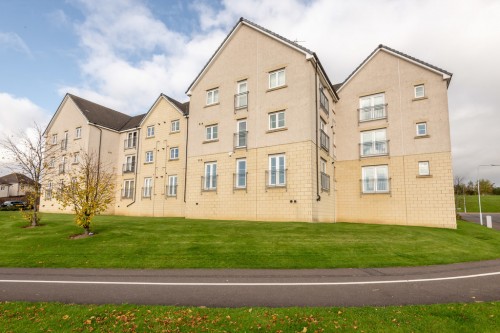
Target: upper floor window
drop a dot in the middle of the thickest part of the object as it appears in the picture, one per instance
(419, 91)
(175, 126)
(372, 107)
(277, 120)
(241, 97)
(150, 131)
(174, 153)
(374, 143)
(149, 157)
(323, 100)
(212, 132)
(375, 179)
(241, 173)
(277, 78)
(421, 129)
(241, 135)
(213, 96)
(148, 187)
(423, 168)
(131, 140)
(54, 139)
(78, 133)
(76, 158)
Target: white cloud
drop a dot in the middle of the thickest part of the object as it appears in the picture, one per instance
(11, 40)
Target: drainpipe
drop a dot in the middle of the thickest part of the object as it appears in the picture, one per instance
(318, 197)
(186, 156)
(136, 168)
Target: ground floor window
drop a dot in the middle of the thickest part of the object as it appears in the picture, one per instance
(277, 170)
(375, 179)
(210, 179)
(172, 186)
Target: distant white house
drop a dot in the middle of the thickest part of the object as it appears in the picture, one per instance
(14, 185)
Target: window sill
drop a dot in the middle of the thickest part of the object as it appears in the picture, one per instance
(214, 190)
(209, 105)
(174, 132)
(150, 137)
(210, 141)
(276, 88)
(173, 159)
(277, 130)
(419, 98)
(76, 138)
(424, 176)
(370, 193)
(148, 162)
(422, 136)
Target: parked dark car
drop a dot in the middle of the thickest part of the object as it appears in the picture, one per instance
(20, 204)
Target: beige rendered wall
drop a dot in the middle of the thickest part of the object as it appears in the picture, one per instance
(160, 116)
(413, 200)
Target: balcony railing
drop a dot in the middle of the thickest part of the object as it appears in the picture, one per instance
(130, 143)
(325, 182)
(374, 148)
(240, 181)
(240, 139)
(146, 192)
(323, 102)
(62, 169)
(324, 140)
(374, 186)
(128, 167)
(64, 144)
(276, 178)
(171, 191)
(241, 101)
(209, 183)
(128, 193)
(375, 112)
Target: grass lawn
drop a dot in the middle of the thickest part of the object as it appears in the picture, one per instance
(489, 203)
(141, 242)
(54, 317)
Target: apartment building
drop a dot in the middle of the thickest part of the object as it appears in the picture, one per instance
(265, 136)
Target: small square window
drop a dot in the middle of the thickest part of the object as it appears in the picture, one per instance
(419, 91)
(421, 129)
(149, 157)
(277, 120)
(213, 96)
(174, 153)
(78, 133)
(277, 78)
(175, 126)
(423, 168)
(212, 132)
(150, 131)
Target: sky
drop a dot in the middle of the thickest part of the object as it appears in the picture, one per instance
(124, 53)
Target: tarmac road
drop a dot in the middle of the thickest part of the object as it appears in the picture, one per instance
(474, 217)
(467, 282)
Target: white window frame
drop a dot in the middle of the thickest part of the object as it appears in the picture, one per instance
(150, 131)
(174, 153)
(368, 107)
(274, 120)
(172, 186)
(424, 127)
(419, 94)
(210, 182)
(54, 139)
(75, 158)
(241, 133)
(212, 96)
(175, 126)
(277, 181)
(78, 133)
(149, 157)
(375, 137)
(241, 94)
(148, 187)
(212, 132)
(241, 173)
(128, 188)
(424, 168)
(277, 78)
(376, 181)
(52, 162)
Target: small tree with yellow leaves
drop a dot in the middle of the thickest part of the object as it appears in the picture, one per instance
(90, 190)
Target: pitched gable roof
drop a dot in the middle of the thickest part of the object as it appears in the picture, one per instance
(16, 178)
(446, 75)
(242, 21)
(183, 107)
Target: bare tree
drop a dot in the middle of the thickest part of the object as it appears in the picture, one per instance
(29, 154)
(89, 191)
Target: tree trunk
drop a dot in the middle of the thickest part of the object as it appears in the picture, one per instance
(34, 217)
(87, 230)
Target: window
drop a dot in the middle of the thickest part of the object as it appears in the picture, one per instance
(2, 187)
(277, 170)
(419, 91)
(213, 96)
(325, 178)
(148, 187)
(421, 129)
(78, 133)
(241, 173)
(52, 162)
(212, 132)
(277, 120)
(375, 179)
(64, 143)
(149, 157)
(175, 126)
(372, 107)
(323, 100)
(129, 165)
(150, 131)
(210, 179)
(277, 78)
(128, 189)
(241, 97)
(62, 166)
(374, 143)
(174, 153)
(48, 191)
(172, 186)
(131, 140)
(323, 137)
(76, 158)
(423, 168)
(241, 134)
(54, 139)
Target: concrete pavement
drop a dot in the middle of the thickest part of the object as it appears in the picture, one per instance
(474, 217)
(466, 282)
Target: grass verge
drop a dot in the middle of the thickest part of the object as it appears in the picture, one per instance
(142, 242)
(489, 203)
(55, 317)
